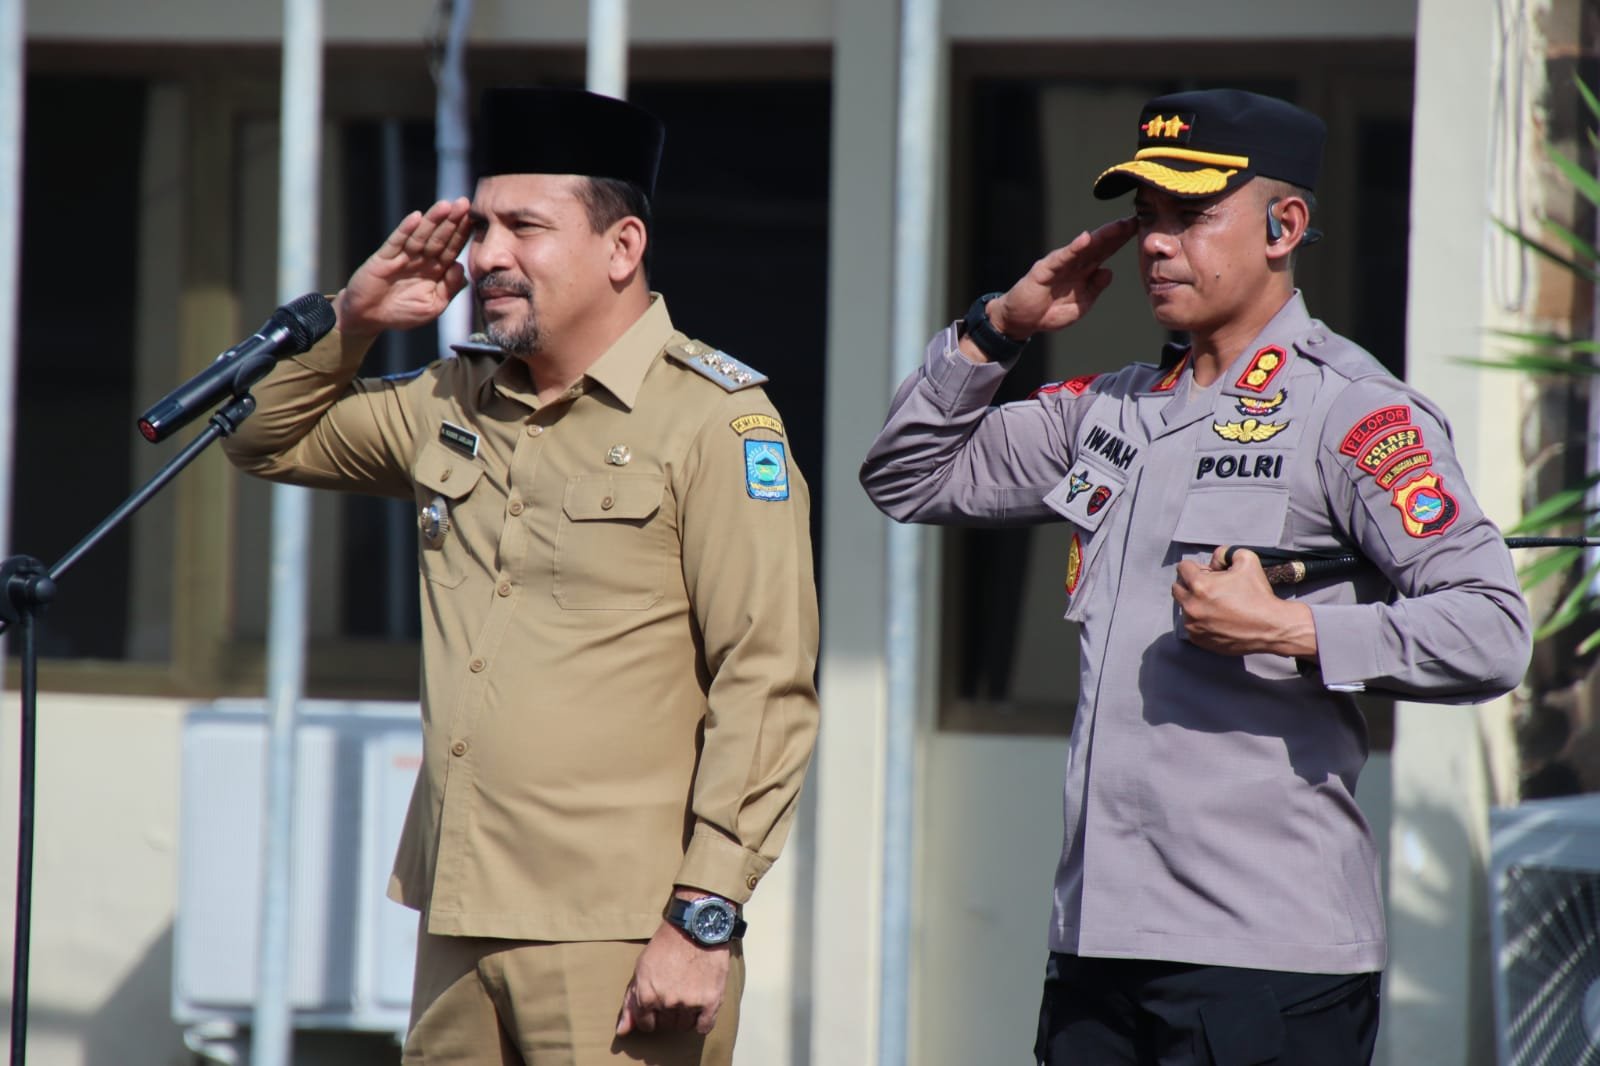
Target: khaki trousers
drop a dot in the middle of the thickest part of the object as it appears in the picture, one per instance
(490, 1002)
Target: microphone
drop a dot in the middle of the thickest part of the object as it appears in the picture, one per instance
(292, 329)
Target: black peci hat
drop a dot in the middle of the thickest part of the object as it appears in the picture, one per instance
(1197, 144)
(568, 131)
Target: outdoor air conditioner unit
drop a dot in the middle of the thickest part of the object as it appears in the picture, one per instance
(1544, 901)
(351, 950)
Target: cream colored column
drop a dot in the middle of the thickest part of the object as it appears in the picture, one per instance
(1437, 991)
(848, 779)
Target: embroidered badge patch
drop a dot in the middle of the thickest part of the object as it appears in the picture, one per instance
(462, 440)
(1079, 483)
(1261, 405)
(1250, 431)
(1171, 378)
(1400, 466)
(1426, 509)
(1372, 424)
(766, 471)
(1396, 442)
(1074, 564)
(745, 423)
(1262, 369)
(1075, 386)
(1098, 499)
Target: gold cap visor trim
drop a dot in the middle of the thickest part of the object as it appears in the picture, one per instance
(1204, 182)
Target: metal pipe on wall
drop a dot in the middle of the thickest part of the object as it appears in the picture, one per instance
(11, 102)
(608, 48)
(452, 140)
(913, 252)
(299, 217)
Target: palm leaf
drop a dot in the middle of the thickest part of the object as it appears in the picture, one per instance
(1571, 239)
(1581, 179)
(1585, 272)
(1563, 506)
(1571, 608)
(1589, 643)
(1548, 340)
(1590, 101)
(1533, 363)
(1548, 566)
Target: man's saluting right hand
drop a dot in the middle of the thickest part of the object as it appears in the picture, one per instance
(1059, 289)
(411, 279)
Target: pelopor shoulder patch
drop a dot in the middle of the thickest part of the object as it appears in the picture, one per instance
(716, 365)
(766, 470)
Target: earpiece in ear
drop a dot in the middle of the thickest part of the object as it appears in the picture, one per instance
(1274, 224)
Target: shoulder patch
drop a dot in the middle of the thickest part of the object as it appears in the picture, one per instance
(1426, 509)
(766, 470)
(1075, 386)
(716, 365)
(745, 423)
(1371, 424)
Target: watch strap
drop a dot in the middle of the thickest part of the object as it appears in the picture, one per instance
(990, 341)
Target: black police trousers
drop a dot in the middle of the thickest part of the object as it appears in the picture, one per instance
(1136, 1012)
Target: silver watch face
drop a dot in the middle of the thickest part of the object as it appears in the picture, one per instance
(710, 921)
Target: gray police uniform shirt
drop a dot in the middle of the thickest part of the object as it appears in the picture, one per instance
(1209, 804)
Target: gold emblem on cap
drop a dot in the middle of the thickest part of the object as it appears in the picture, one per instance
(1165, 127)
(619, 455)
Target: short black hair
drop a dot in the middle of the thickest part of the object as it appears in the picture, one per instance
(608, 201)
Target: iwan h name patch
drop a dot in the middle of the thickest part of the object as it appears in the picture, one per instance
(766, 470)
(462, 440)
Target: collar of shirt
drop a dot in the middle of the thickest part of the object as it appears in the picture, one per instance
(621, 368)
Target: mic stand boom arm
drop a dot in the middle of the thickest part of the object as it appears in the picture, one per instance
(26, 588)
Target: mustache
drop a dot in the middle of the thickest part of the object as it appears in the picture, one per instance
(500, 284)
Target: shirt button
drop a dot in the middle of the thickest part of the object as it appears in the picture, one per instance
(534, 431)
(750, 882)
(458, 748)
(504, 589)
(606, 504)
(516, 507)
(444, 475)
(476, 666)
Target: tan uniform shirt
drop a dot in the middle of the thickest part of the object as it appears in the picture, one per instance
(619, 623)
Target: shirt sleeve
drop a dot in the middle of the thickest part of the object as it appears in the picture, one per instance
(744, 513)
(945, 455)
(1458, 629)
(316, 424)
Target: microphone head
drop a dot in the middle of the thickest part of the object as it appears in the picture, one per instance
(307, 318)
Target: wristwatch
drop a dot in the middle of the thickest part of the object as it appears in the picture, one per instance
(990, 341)
(708, 921)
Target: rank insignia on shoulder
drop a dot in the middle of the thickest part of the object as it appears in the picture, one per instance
(1250, 431)
(766, 470)
(1262, 369)
(462, 440)
(745, 423)
(717, 365)
(1073, 386)
(478, 344)
(1171, 377)
(1426, 509)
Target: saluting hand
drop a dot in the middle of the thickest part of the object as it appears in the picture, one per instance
(411, 279)
(1232, 610)
(1062, 287)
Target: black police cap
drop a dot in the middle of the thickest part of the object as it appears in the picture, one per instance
(1198, 144)
(568, 131)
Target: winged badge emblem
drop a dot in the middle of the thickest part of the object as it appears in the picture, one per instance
(1250, 431)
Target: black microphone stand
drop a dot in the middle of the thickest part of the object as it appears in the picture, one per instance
(26, 589)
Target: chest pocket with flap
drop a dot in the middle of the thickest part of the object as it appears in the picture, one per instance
(613, 547)
(443, 484)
